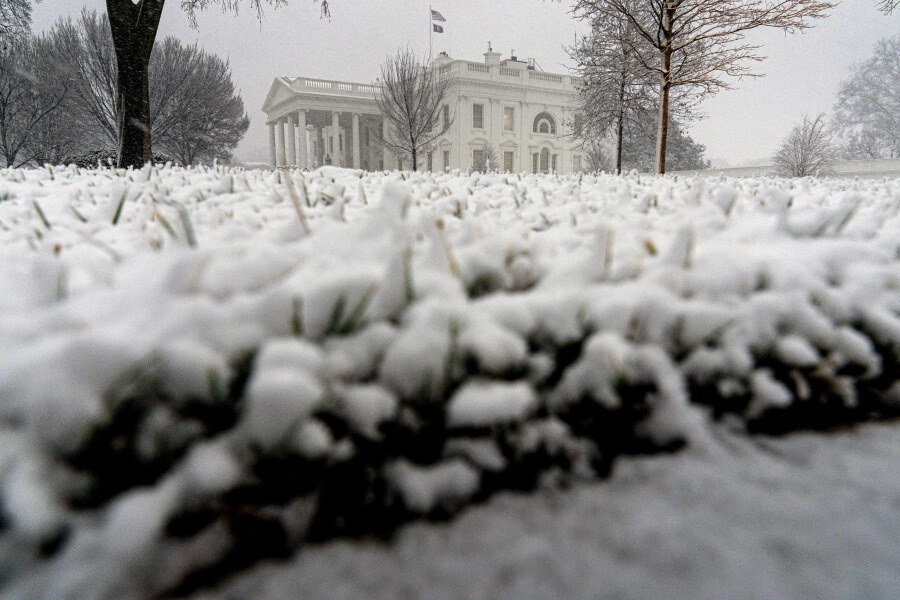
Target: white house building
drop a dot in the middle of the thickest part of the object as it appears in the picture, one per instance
(524, 114)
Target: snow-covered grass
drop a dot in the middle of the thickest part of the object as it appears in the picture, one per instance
(200, 368)
(801, 517)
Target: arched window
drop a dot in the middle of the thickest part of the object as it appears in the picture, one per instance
(544, 123)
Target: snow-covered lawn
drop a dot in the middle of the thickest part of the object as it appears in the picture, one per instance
(202, 368)
(810, 516)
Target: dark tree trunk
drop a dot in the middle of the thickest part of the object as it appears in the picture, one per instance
(133, 29)
(665, 86)
(620, 126)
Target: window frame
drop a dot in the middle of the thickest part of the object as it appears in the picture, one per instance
(477, 119)
(511, 112)
(477, 164)
(542, 118)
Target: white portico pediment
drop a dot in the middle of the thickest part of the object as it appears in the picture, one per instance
(279, 92)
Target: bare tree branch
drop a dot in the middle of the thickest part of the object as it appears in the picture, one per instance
(867, 113)
(15, 20)
(808, 149)
(31, 91)
(411, 101)
(699, 44)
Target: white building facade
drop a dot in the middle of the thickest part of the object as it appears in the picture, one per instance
(526, 116)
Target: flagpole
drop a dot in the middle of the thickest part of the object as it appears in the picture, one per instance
(430, 32)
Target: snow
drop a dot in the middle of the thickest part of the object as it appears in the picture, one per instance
(423, 489)
(197, 321)
(806, 516)
(480, 404)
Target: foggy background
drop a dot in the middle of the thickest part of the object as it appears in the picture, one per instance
(742, 126)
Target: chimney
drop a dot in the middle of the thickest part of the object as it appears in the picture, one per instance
(490, 57)
(513, 62)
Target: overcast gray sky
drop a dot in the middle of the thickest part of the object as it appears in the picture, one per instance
(803, 72)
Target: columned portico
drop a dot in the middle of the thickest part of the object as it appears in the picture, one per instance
(327, 119)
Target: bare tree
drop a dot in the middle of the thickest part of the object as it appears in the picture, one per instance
(683, 153)
(134, 24)
(84, 49)
(597, 159)
(699, 43)
(614, 87)
(808, 149)
(888, 6)
(31, 90)
(487, 160)
(411, 100)
(15, 20)
(195, 113)
(867, 113)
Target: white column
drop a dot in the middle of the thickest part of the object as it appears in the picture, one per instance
(272, 143)
(355, 141)
(291, 142)
(279, 143)
(386, 155)
(302, 159)
(336, 141)
(321, 146)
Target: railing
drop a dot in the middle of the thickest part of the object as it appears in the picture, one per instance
(340, 86)
(509, 72)
(545, 77)
(478, 68)
(316, 83)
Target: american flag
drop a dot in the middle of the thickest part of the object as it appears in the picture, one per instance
(436, 16)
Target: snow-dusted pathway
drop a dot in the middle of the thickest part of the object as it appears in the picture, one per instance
(806, 517)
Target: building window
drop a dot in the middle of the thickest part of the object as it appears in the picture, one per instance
(430, 161)
(578, 125)
(534, 163)
(508, 158)
(576, 163)
(446, 159)
(446, 116)
(553, 163)
(509, 118)
(478, 159)
(478, 116)
(544, 123)
(545, 160)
